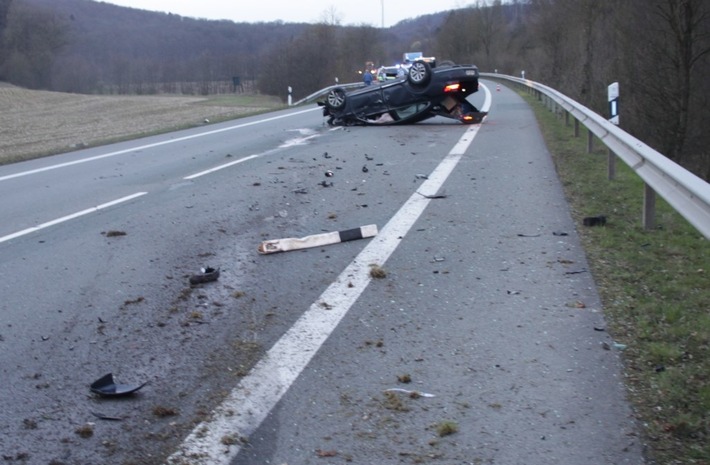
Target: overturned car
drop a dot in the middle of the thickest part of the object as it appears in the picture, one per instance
(423, 93)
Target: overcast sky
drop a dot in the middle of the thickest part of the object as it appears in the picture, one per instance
(349, 12)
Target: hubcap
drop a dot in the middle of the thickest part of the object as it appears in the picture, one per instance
(335, 99)
(418, 72)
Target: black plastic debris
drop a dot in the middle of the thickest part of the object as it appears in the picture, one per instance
(102, 416)
(594, 220)
(329, 174)
(107, 387)
(364, 169)
(559, 233)
(206, 275)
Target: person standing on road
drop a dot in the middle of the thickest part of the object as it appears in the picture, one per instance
(367, 78)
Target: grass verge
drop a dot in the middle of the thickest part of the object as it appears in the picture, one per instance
(655, 288)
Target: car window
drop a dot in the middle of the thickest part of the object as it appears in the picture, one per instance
(406, 112)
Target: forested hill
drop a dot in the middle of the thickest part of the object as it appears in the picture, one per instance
(112, 45)
(100, 47)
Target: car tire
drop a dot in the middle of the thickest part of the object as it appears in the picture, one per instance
(335, 100)
(419, 74)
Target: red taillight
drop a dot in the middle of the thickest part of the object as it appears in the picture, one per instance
(455, 87)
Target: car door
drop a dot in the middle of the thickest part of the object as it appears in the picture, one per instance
(398, 94)
(367, 102)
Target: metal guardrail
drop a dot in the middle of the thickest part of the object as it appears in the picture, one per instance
(321, 92)
(688, 194)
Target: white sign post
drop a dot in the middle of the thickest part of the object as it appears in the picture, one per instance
(614, 119)
(614, 103)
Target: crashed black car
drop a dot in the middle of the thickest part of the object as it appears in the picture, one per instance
(426, 91)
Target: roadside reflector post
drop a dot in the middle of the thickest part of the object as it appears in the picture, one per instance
(290, 97)
(613, 94)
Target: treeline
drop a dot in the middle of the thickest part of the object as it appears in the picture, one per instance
(658, 50)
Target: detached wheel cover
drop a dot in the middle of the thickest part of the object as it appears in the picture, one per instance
(336, 99)
(419, 73)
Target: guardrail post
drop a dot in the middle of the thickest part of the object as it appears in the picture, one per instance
(566, 118)
(590, 141)
(611, 166)
(576, 127)
(649, 207)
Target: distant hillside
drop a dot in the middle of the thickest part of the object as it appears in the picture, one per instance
(118, 49)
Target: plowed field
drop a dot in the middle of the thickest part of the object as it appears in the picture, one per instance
(37, 123)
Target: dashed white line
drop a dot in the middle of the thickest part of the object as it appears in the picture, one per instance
(70, 217)
(220, 167)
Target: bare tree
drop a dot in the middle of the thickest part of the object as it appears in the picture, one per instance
(32, 38)
(670, 88)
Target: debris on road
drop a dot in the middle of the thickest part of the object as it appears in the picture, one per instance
(102, 416)
(107, 387)
(436, 196)
(413, 394)
(316, 240)
(206, 275)
(114, 233)
(377, 272)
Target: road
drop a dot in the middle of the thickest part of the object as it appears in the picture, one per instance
(487, 311)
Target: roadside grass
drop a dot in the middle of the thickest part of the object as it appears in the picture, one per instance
(655, 287)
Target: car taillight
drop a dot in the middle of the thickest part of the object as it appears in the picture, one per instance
(467, 118)
(455, 87)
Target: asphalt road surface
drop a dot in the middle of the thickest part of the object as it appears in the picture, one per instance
(482, 343)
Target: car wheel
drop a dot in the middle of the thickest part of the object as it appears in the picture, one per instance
(419, 73)
(335, 99)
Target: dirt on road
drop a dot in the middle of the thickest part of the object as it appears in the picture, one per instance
(36, 123)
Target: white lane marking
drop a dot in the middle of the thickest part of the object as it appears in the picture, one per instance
(255, 396)
(220, 167)
(70, 217)
(149, 146)
(288, 144)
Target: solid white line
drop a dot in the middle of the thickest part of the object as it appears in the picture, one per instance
(69, 217)
(250, 402)
(149, 146)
